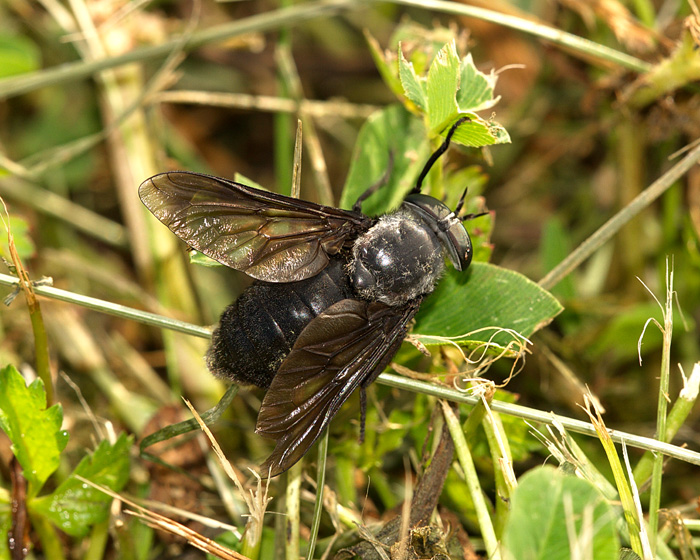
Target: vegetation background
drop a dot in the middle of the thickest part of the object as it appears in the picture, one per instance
(590, 129)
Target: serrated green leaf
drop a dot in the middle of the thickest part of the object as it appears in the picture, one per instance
(441, 88)
(545, 502)
(475, 88)
(499, 133)
(474, 134)
(74, 506)
(18, 54)
(35, 431)
(390, 131)
(484, 296)
(411, 82)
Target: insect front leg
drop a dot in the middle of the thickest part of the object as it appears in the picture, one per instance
(383, 180)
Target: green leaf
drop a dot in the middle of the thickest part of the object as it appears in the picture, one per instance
(452, 89)
(499, 133)
(484, 296)
(476, 88)
(202, 260)
(74, 506)
(23, 241)
(248, 182)
(387, 66)
(411, 82)
(474, 134)
(19, 55)
(390, 131)
(544, 504)
(441, 88)
(35, 431)
(5, 525)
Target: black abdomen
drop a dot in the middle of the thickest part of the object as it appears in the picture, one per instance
(258, 330)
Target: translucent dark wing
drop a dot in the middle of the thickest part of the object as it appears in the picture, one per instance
(266, 235)
(346, 346)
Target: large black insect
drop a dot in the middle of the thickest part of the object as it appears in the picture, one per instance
(334, 294)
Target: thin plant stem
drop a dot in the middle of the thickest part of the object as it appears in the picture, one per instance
(173, 430)
(644, 10)
(145, 317)
(624, 489)
(675, 420)
(41, 341)
(99, 535)
(293, 508)
(556, 36)
(259, 23)
(267, 103)
(318, 502)
(662, 409)
(548, 418)
(613, 225)
(288, 70)
(48, 535)
(504, 478)
(52, 204)
(41, 349)
(391, 380)
(283, 125)
(472, 479)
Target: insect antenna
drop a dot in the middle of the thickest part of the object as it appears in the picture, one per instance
(461, 202)
(436, 154)
(468, 217)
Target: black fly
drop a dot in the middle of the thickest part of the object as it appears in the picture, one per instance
(334, 294)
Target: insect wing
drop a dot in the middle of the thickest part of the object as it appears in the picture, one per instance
(346, 346)
(268, 236)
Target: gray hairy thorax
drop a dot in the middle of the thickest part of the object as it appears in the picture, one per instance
(399, 259)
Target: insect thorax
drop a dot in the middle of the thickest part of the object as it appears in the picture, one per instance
(399, 259)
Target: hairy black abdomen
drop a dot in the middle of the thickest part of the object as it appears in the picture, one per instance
(258, 330)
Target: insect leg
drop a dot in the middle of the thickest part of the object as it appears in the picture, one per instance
(383, 180)
(363, 413)
(437, 153)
